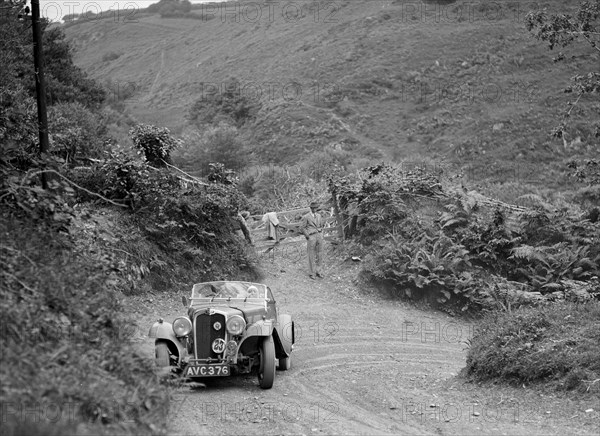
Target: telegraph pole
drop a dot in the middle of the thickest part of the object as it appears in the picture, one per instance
(40, 83)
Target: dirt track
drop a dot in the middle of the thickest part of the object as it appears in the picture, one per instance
(362, 364)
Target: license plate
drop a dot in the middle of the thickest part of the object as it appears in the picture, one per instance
(207, 371)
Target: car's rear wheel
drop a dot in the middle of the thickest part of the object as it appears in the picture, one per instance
(285, 363)
(163, 358)
(266, 370)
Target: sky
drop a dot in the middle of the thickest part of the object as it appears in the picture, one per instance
(56, 9)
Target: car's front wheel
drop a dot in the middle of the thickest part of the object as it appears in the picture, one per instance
(266, 370)
(163, 358)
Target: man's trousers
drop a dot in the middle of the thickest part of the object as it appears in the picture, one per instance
(314, 246)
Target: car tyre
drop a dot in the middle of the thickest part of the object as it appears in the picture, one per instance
(266, 371)
(163, 357)
(285, 363)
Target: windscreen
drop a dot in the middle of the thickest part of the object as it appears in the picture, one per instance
(229, 290)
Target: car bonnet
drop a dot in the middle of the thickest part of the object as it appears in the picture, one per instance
(251, 312)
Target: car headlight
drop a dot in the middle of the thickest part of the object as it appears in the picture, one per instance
(182, 326)
(236, 325)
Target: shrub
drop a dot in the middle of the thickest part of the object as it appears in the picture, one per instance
(377, 198)
(281, 188)
(220, 144)
(544, 267)
(18, 126)
(461, 249)
(229, 104)
(110, 56)
(66, 344)
(170, 7)
(557, 344)
(430, 267)
(183, 218)
(127, 181)
(75, 132)
(218, 173)
(66, 83)
(587, 172)
(155, 143)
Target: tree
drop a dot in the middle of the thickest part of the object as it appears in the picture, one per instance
(231, 103)
(563, 30)
(220, 144)
(156, 143)
(171, 8)
(66, 84)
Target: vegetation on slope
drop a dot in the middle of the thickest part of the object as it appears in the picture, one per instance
(458, 248)
(68, 363)
(556, 344)
(464, 87)
(110, 224)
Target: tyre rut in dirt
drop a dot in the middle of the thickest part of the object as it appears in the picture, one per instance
(266, 371)
(163, 358)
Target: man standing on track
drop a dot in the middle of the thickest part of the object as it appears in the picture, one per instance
(272, 223)
(311, 227)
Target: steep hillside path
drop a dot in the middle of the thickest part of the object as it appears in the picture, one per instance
(363, 364)
(155, 82)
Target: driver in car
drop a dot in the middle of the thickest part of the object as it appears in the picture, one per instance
(252, 292)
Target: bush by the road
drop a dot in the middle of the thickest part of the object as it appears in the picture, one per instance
(556, 344)
(430, 240)
(68, 364)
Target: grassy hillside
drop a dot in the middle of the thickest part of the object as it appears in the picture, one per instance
(371, 80)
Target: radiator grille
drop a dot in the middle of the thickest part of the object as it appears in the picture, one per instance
(206, 334)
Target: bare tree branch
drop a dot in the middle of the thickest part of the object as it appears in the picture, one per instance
(35, 173)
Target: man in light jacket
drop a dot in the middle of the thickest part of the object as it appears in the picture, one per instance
(272, 223)
(311, 227)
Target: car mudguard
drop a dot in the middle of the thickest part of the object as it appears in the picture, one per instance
(163, 332)
(283, 335)
(260, 328)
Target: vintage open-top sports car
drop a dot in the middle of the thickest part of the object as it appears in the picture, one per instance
(230, 327)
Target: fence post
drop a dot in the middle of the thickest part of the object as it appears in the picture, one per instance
(338, 217)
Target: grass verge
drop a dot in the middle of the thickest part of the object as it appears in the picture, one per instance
(557, 344)
(68, 365)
